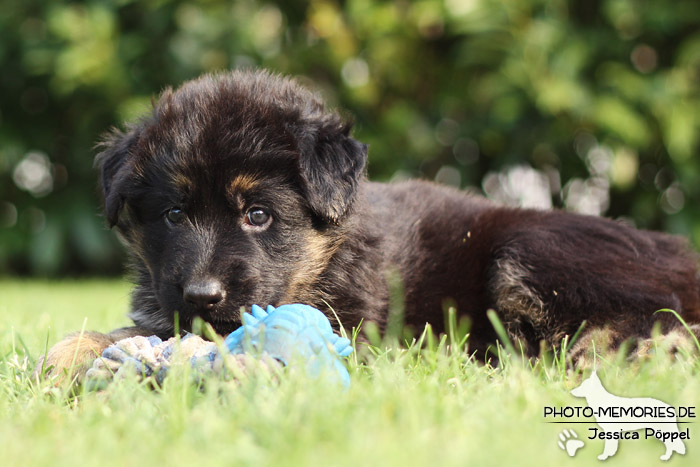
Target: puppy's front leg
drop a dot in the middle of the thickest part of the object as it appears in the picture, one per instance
(73, 356)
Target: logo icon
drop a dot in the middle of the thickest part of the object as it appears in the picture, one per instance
(569, 442)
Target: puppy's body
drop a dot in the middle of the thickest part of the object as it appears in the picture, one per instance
(544, 272)
(243, 189)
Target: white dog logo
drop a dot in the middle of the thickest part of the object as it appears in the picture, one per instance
(619, 415)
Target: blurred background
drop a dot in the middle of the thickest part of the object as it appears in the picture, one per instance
(591, 106)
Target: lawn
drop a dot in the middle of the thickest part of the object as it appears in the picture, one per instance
(430, 406)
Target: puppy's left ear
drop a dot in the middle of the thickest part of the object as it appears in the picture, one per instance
(332, 170)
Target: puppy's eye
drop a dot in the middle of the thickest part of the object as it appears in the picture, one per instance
(176, 215)
(257, 217)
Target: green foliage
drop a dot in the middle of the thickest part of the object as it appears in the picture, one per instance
(452, 89)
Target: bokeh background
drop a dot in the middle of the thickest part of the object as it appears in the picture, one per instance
(589, 105)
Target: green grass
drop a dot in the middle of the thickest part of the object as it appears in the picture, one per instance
(405, 407)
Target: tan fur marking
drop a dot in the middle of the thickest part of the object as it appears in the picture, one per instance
(181, 182)
(242, 183)
(318, 252)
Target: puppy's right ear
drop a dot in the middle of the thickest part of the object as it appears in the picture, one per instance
(115, 163)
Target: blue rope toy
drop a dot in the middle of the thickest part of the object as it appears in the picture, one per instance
(288, 335)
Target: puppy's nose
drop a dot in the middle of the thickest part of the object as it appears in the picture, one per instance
(204, 294)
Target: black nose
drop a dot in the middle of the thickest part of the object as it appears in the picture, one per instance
(204, 294)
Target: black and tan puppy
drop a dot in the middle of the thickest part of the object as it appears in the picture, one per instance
(242, 188)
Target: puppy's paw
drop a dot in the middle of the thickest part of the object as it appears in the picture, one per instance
(70, 358)
(592, 345)
(675, 342)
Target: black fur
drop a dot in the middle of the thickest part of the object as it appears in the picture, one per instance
(222, 145)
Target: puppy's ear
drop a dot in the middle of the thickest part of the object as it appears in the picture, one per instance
(115, 164)
(331, 171)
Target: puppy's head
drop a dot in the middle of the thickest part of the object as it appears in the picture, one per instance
(233, 192)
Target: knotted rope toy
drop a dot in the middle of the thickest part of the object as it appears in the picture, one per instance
(284, 336)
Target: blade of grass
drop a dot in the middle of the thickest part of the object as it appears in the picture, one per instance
(501, 331)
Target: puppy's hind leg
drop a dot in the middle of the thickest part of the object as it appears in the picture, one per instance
(521, 309)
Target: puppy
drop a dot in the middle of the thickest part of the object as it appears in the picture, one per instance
(242, 189)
